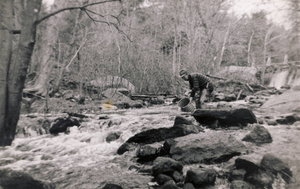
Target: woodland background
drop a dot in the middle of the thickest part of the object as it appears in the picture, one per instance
(148, 42)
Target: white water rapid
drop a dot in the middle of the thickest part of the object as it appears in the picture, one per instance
(84, 153)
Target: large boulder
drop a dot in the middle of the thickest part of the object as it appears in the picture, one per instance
(225, 118)
(258, 135)
(287, 102)
(276, 166)
(206, 148)
(10, 179)
(161, 134)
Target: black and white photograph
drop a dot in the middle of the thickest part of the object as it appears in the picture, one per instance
(149, 94)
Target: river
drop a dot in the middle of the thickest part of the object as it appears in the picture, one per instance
(83, 158)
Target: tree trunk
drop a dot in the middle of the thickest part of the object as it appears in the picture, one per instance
(18, 70)
(6, 20)
(249, 49)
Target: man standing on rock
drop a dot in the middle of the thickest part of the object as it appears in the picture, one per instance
(199, 85)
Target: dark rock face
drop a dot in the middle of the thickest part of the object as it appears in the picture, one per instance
(276, 166)
(260, 179)
(10, 179)
(225, 118)
(61, 124)
(126, 147)
(205, 148)
(201, 177)
(250, 163)
(112, 137)
(161, 134)
(179, 120)
(112, 186)
(166, 166)
(150, 152)
(258, 135)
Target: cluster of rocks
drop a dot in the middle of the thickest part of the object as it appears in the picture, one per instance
(168, 150)
(289, 119)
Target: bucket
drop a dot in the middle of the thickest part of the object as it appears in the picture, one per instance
(185, 105)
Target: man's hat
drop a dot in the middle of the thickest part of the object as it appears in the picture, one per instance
(183, 73)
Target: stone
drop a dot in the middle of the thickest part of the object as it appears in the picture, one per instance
(161, 179)
(113, 136)
(259, 179)
(201, 177)
(112, 186)
(10, 179)
(188, 186)
(258, 135)
(61, 124)
(148, 152)
(157, 135)
(239, 184)
(225, 118)
(213, 147)
(250, 163)
(237, 174)
(179, 120)
(126, 147)
(276, 166)
(166, 166)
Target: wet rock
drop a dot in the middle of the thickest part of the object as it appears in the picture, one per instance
(258, 135)
(206, 148)
(74, 114)
(237, 174)
(250, 163)
(201, 177)
(225, 118)
(113, 136)
(10, 179)
(239, 184)
(276, 166)
(169, 185)
(259, 179)
(179, 120)
(61, 124)
(161, 134)
(178, 176)
(112, 186)
(271, 122)
(161, 179)
(188, 186)
(149, 152)
(126, 147)
(166, 166)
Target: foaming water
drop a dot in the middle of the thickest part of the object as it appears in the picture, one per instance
(279, 79)
(65, 158)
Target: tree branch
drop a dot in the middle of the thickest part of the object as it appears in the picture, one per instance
(72, 8)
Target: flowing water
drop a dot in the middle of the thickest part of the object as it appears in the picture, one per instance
(279, 79)
(83, 158)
